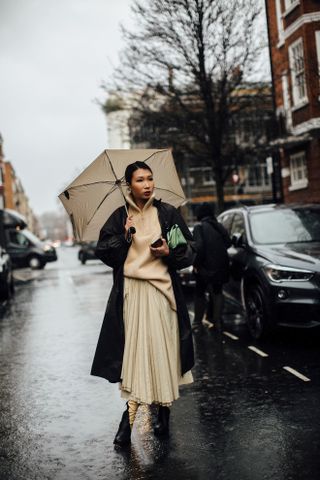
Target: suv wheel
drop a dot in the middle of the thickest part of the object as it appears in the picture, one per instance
(258, 313)
(35, 263)
(83, 259)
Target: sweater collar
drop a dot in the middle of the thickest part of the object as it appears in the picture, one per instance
(132, 203)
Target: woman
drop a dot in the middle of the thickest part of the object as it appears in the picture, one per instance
(145, 342)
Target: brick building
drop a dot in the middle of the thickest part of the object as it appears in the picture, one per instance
(2, 201)
(16, 198)
(294, 39)
(12, 194)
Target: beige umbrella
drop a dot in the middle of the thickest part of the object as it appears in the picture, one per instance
(100, 189)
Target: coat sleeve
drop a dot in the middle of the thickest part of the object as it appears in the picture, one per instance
(182, 256)
(112, 247)
(225, 235)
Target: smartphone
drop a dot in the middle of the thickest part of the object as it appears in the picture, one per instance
(157, 243)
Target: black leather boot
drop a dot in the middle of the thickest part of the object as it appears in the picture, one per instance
(161, 427)
(123, 436)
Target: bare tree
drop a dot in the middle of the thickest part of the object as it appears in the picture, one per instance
(187, 58)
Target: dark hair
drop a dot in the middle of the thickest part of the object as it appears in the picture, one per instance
(133, 167)
(204, 210)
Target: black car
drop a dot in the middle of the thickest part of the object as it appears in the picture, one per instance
(86, 252)
(6, 277)
(275, 265)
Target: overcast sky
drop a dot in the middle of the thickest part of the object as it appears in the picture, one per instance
(54, 55)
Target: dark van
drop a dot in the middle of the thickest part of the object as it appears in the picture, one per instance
(27, 250)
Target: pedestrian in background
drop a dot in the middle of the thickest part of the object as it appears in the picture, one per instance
(145, 342)
(211, 266)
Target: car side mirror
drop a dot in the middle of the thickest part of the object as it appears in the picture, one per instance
(237, 240)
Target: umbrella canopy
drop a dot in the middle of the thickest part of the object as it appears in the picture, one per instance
(99, 190)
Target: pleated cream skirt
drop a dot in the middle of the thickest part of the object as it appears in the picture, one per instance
(151, 370)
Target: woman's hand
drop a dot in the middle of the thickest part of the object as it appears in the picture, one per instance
(128, 224)
(162, 251)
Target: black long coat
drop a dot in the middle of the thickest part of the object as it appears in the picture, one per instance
(112, 249)
(212, 241)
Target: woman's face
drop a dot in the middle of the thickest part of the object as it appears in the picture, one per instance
(142, 184)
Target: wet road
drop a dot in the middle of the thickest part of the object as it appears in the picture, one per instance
(245, 417)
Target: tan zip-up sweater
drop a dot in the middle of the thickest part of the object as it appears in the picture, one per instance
(140, 263)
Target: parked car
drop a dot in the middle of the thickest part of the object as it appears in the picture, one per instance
(86, 252)
(27, 250)
(275, 265)
(6, 277)
(8, 219)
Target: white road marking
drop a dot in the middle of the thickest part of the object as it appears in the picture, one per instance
(262, 354)
(297, 374)
(259, 352)
(230, 335)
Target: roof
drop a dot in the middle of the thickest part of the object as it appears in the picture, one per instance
(273, 206)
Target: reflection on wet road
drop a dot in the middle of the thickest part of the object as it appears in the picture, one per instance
(244, 418)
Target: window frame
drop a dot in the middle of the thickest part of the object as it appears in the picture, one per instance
(262, 176)
(207, 171)
(297, 184)
(317, 39)
(279, 22)
(297, 101)
(290, 5)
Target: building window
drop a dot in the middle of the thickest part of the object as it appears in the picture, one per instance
(298, 79)
(187, 181)
(279, 21)
(286, 102)
(298, 171)
(257, 177)
(207, 178)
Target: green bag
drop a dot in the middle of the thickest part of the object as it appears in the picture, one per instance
(175, 237)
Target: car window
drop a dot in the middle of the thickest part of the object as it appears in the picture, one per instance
(18, 238)
(32, 238)
(286, 226)
(226, 220)
(238, 226)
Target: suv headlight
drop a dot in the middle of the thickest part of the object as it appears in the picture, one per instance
(278, 273)
(47, 248)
